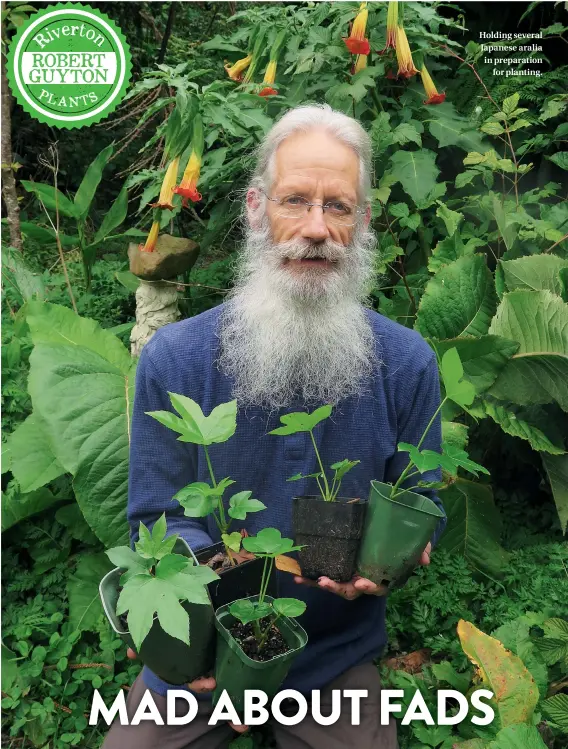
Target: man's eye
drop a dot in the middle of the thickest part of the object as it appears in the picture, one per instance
(339, 207)
(294, 200)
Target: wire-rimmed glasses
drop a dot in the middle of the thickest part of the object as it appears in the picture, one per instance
(339, 211)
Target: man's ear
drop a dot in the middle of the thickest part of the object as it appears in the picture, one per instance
(253, 207)
(367, 215)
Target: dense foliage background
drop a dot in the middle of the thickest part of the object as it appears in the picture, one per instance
(471, 211)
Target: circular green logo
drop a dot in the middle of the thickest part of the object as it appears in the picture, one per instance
(69, 65)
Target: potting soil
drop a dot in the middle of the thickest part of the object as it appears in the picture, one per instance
(244, 634)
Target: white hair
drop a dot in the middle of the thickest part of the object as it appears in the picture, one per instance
(310, 117)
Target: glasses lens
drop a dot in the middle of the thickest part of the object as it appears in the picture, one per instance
(340, 212)
(293, 206)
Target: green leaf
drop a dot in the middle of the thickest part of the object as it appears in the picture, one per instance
(510, 104)
(528, 423)
(269, 543)
(459, 300)
(556, 709)
(482, 358)
(85, 609)
(81, 383)
(538, 372)
(557, 470)
(300, 421)
(25, 505)
(194, 426)
(173, 618)
(460, 459)
(451, 219)
(300, 476)
(474, 526)
(246, 611)
(290, 607)
(534, 272)
(424, 460)
(451, 129)
(114, 217)
(343, 467)
(241, 504)
(88, 187)
(33, 462)
(49, 195)
(154, 545)
(128, 560)
(197, 499)
(458, 390)
(18, 274)
(560, 159)
(232, 540)
(445, 671)
(519, 736)
(406, 133)
(492, 128)
(416, 171)
(128, 280)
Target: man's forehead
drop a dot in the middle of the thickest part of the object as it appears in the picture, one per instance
(310, 184)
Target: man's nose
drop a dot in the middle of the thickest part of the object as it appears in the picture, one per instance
(314, 226)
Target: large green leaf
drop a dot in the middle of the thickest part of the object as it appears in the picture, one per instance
(482, 358)
(25, 505)
(451, 129)
(459, 300)
(90, 182)
(534, 272)
(519, 736)
(33, 462)
(529, 423)
(416, 171)
(474, 525)
(49, 196)
(538, 372)
(556, 708)
(85, 608)
(17, 274)
(81, 383)
(557, 469)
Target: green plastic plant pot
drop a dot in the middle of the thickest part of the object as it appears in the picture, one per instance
(169, 658)
(396, 533)
(235, 671)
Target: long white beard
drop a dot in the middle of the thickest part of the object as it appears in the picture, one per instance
(305, 335)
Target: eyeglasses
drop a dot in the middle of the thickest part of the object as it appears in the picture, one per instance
(340, 212)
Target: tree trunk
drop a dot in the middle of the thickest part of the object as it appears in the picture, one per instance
(167, 33)
(8, 180)
(156, 306)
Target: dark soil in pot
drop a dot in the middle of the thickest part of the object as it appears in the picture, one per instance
(275, 643)
(331, 533)
(235, 582)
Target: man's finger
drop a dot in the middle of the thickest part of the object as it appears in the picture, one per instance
(305, 581)
(131, 654)
(239, 729)
(369, 587)
(203, 684)
(345, 590)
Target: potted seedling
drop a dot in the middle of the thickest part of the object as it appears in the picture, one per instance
(258, 637)
(157, 601)
(400, 521)
(239, 573)
(327, 525)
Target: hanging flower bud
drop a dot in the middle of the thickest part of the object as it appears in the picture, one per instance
(392, 25)
(167, 191)
(356, 42)
(433, 97)
(188, 185)
(406, 67)
(150, 244)
(268, 80)
(236, 71)
(360, 63)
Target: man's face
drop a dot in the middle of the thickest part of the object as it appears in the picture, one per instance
(318, 168)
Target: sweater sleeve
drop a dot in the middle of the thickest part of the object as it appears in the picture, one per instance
(159, 465)
(422, 404)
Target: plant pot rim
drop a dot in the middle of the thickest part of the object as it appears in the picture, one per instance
(337, 500)
(435, 509)
(110, 615)
(291, 622)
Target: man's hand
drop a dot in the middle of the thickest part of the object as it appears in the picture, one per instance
(358, 585)
(201, 686)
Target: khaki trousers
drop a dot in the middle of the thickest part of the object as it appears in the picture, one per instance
(308, 734)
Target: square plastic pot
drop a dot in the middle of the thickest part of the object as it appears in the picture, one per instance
(241, 581)
(169, 658)
(396, 533)
(236, 672)
(331, 533)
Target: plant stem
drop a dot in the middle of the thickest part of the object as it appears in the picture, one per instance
(210, 466)
(326, 496)
(222, 522)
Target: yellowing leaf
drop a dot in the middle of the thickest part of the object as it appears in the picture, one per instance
(514, 689)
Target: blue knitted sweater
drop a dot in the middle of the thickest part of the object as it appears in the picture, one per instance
(403, 395)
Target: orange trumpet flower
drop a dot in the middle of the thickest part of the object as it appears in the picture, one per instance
(167, 191)
(268, 80)
(150, 244)
(433, 97)
(188, 185)
(356, 42)
(235, 71)
(406, 67)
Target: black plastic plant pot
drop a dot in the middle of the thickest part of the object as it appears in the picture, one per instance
(169, 658)
(331, 533)
(241, 581)
(236, 672)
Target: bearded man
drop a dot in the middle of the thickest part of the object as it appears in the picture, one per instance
(294, 334)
